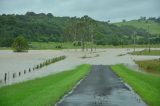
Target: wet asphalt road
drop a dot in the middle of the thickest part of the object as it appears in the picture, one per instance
(101, 87)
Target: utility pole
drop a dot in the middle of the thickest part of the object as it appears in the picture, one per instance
(134, 40)
(149, 48)
(122, 42)
(92, 38)
(91, 42)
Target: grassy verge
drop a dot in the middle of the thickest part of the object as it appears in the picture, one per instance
(42, 91)
(151, 66)
(146, 85)
(146, 52)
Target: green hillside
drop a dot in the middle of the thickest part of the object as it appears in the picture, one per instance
(49, 28)
(154, 27)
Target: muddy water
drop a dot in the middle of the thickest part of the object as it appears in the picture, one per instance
(11, 62)
(18, 62)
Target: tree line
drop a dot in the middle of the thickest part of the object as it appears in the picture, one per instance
(49, 28)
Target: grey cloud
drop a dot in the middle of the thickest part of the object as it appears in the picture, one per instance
(115, 10)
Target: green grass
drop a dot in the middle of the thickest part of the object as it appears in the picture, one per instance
(151, 66)
(69, 45)
(42, 91)
(52, 45)
(154, 28)
(5, 48)
(146, 85)
(146, 52)
(65, 45)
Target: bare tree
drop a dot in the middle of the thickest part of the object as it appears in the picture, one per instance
(81, 30)
(92, 28)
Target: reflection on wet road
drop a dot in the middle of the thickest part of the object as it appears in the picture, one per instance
(101, 87)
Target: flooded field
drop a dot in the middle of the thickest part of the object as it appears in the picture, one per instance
(11, 62)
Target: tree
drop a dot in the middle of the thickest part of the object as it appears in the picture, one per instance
(30, 13)
(123, 20)
(50, 15)
(92, 30)
(20, 44)
(83, 30)
(47, 28)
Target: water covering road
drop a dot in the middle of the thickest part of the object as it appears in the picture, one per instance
(102, 87)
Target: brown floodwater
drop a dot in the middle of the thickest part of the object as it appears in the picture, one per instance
(15, 63)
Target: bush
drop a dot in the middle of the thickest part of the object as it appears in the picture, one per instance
(20, 44)
(59, 46)
(76, 43)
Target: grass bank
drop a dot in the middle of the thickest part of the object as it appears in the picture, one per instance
(151, 66)
(42, 91)
(146, 85)
(146, 52)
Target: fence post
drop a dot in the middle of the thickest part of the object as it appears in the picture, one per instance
(19, 73)
(5, 77)
(24, 71)
(14, 75)
(8, 76)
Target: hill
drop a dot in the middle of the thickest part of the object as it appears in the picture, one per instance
(48, 28)
(154, 27)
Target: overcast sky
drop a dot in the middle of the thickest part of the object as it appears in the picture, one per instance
(114, 10)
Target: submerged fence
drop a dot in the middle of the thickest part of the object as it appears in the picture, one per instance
(8, 76)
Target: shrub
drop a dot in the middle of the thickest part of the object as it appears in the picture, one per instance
(20, 44)
(59, 46)
(76, 43)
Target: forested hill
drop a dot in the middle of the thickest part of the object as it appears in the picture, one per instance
(46, 27)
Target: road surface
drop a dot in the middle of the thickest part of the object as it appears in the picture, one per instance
(101, 87)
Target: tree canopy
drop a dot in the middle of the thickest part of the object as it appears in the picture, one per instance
(49, 28)
(20, 44)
